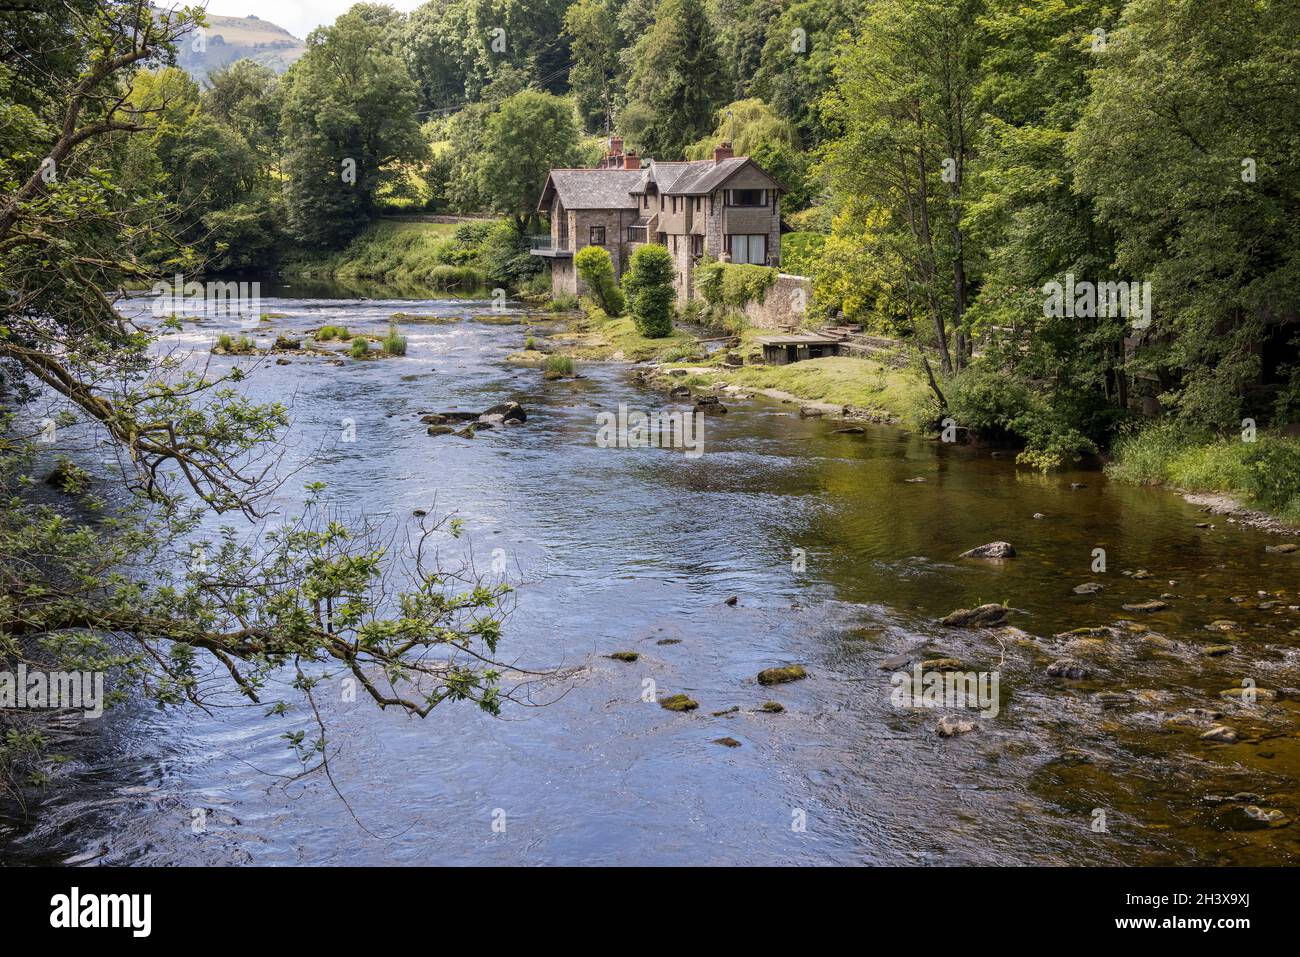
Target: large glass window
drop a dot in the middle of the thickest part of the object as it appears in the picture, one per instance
(749, 249)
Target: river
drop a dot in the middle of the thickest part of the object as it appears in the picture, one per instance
(639, 550)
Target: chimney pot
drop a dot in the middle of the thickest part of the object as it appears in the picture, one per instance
(722, 152)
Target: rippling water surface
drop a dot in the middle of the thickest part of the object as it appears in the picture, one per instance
(622, 550)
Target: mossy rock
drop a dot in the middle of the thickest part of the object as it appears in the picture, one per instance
(773, 707)
(679, 702)
(628, 656)
(943, 664)
(424, 317)
(727, 742)
(776, 676)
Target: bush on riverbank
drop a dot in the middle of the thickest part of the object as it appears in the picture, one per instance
(461, 257)
(596, 268)
(648, 285)
(1264, 474)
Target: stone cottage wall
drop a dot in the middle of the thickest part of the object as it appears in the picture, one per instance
(784, 306)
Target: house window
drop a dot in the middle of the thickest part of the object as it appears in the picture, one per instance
(597, 235)
(674, 244)
(661, 204)
(748, 249)
(697, 244)
(746, 197)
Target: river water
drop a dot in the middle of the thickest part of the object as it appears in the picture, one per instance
(638, 550)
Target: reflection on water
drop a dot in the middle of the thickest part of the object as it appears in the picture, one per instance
(639, 550)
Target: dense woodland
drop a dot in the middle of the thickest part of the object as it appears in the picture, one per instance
(946, 160)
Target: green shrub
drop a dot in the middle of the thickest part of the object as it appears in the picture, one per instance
(729, 286)
(648, 284)
(564, 302)
(394, 344)
(444, 276)
(237, 346)
(597, 271)
(800, 252)
(326, 333)
(360, 347)
(557, 367)
(530, 344)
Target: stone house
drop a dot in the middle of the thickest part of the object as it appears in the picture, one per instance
(727, 207)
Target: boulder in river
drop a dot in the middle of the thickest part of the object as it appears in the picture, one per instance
(509, 411)
(950, 726)
(1285, 549)
(773, 707)
(985, 616)
(628, 656)
(1068, 669)
(1088, 588)
(942, 664)
(1220, 733)
(991, 550)
(1264, 816)
(1154, 604)
(679, 702)
(776, 676)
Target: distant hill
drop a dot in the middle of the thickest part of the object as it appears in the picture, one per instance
(234, 38)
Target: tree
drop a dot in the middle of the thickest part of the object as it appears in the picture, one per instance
(772, 141)
(797, 65)
(528, 136)
(678, 81)
(348, 121)
(122, 590)
(592, 29)
(597, 271)
(1189, 150)
(906, 114)
(648, 287)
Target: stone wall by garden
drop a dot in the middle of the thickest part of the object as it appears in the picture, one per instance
(785, 305)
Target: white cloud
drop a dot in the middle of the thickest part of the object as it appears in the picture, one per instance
(299, 17)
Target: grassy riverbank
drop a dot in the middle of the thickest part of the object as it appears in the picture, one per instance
(1263, 474)
(453, 256)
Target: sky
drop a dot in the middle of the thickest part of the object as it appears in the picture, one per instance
(299, 17)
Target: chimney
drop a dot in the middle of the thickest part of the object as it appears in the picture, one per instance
(631, 160)
(721, 152)
(616, 146)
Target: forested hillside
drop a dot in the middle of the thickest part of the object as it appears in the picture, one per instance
(957, 170)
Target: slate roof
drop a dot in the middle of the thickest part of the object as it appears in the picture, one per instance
(614, 188)
(593, 188)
